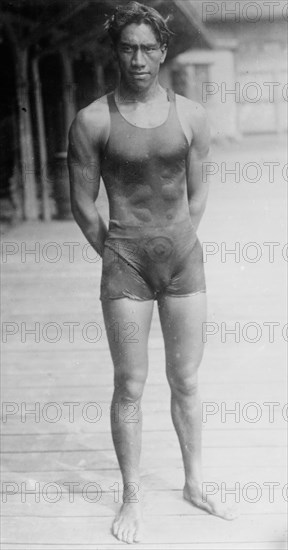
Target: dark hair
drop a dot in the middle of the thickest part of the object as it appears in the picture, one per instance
(134, 12)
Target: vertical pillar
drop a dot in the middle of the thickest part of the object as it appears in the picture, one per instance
(30, 207)
(191, 92)
(46, 212)
(100, 80)
(68, 93)
(61, 181)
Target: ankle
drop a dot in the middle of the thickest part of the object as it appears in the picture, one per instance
(131, 492)
(193, 484)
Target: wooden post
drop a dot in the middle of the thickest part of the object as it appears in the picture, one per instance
(61, 176)
(68, 93)
(46, 211)
(30, 208)
(100, 79)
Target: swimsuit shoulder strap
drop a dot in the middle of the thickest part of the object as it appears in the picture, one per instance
(111, 103)
(171, 95)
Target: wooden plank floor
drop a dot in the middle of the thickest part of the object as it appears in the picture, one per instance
(66, 361)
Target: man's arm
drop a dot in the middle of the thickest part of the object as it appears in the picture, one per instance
(198, 154)
(85, 140)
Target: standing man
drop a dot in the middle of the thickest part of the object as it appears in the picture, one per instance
(149, 146)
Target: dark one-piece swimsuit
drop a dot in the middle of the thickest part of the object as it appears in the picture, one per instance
(145, 262)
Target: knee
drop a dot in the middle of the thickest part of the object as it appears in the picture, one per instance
(183, 385)
(130, 388)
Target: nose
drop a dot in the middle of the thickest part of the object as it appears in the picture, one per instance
(138, 59)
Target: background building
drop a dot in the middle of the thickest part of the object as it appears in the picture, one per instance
(243, 81)
(55, 60)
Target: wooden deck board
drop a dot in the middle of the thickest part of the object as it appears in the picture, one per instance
(153, 420)
(156, 504)
(105, 459)
(266, 545)
(97, 530)
(156, 478)
(82, 442)
(81, 452)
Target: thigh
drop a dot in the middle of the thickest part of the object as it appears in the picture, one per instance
(182, 322)
(127, 325)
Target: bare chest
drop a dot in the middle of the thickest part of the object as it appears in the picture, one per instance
(145, 115)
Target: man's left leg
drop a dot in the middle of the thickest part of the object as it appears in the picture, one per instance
(182, 322)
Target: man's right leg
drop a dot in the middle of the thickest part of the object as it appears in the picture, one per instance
(127, 325)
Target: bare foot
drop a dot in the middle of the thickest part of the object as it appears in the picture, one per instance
(128, 522)
(194, 494)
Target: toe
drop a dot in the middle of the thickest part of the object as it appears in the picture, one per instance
(120, 534)
(137, 535)
(130, 536)
(115, 527)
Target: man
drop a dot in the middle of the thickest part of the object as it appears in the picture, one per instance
(148, 146)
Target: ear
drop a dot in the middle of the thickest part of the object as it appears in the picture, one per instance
(164, 53)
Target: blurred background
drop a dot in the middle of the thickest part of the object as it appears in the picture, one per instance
(230, 56)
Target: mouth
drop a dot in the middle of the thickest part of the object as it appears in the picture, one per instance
(139, 75)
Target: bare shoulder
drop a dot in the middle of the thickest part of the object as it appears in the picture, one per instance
(91, 124)
(194, 112)
(195, 119)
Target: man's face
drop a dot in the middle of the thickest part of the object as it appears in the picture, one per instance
(139, 55)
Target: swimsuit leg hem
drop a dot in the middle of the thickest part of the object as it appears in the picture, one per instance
(132, 297)
(185, 295)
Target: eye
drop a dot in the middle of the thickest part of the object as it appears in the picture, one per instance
(126, 49)
(149, 49)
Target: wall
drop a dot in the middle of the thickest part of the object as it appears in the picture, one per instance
(260, 73)
(199, 75)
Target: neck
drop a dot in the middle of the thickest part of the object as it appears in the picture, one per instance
(128, 95)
